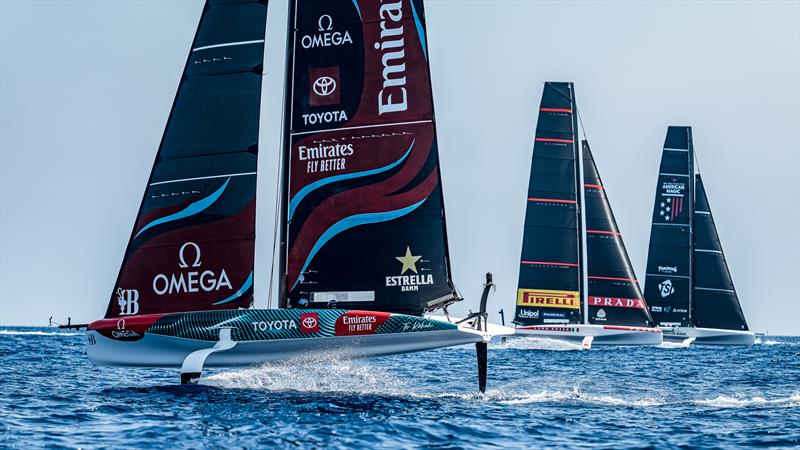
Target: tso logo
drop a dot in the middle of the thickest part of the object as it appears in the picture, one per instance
(665, 288)
(128, 300)
(191, 280)
(324, 86)
(326, 36)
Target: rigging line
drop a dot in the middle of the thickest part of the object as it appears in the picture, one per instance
(276, 224)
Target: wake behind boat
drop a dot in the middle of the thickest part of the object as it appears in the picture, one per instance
(362, 246)
(688, 285)
(576, 282)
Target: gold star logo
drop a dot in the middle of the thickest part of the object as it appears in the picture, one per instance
(409, 261)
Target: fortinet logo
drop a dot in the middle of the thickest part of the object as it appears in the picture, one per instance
(667, 269)
(192, 280)
(393, 97)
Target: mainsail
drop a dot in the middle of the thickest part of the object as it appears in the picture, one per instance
(613, 293)
(714, 300)
(669, 261)
(362, 193)
(550, 265)
(192, 246)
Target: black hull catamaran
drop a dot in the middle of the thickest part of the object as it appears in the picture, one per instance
(688, 285)
(362, 248)
(576, 282)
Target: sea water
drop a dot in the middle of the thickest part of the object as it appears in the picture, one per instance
(542, 394)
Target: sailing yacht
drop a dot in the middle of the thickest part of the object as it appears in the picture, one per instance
(576, 282)
(362, 249)
(688, 285)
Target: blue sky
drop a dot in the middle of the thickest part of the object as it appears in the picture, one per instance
(85, 89)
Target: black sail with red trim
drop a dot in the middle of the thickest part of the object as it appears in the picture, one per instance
(192, 246)
(613, 293)
(714, 300)
(669, 261)
(364, 211)
(550, 267)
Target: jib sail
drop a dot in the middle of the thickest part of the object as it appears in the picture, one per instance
(714, 300)
(549, 288)
(614, 296)
(192, 246)
(363, 202)
(669, 261)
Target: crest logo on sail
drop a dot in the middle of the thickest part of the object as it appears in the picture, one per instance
(128, 300)
(665, 288)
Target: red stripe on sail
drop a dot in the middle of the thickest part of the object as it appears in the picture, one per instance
(562, 141)
(604, 232)
(557, 200)
(598, 186)
(560, 110)
(613, 279)
(548, 263)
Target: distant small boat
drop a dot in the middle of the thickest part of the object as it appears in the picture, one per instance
(362, 245)
(576, 282)
(688, 285)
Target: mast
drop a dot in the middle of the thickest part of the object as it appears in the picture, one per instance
(291, 36)
(581, 210)
(192, 246)
(692, 198)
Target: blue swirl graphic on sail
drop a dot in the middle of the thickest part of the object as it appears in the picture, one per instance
(420, 31)
(347, 176)
(354, 221)
(190, 210)
(355, 3)
(247, 283)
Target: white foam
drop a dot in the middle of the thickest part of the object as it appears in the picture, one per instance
(36, 333)
(763, 341)
(672, 345)
(538, 343)
(327, 372)
(725, 401)
(576, 396)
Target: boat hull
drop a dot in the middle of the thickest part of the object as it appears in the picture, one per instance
(709, 336)
(601, 334)
(268, 335)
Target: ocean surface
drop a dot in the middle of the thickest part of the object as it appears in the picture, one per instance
(541, 394)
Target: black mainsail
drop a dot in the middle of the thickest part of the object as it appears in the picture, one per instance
(613, 293)
(550, 265)
(192, 246)
(669, 261)
(714, 300)
(688, 281)
(362, 194)
(574, 266)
